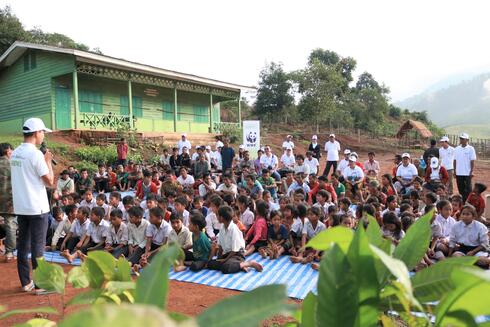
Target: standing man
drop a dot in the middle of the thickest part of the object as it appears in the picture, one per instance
(314, 147)
(432, 151)
(332, 148)
(446, 157)
(183, 142)
(6, 204)
(227, 155)
(31, 173)
(288, 144)
(122, 152)
(464, 165)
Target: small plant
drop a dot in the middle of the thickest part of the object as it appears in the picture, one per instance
(97, 154)
(90, 166)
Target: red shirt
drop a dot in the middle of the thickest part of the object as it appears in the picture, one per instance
(476, 201)
(258, 230)
(139, 189)
(122, 151)
(327, 187)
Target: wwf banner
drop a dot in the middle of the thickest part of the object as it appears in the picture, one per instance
(251, 136)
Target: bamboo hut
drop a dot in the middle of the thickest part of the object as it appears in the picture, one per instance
(413, 133)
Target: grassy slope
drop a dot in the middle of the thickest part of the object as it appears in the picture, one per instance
(475, 130)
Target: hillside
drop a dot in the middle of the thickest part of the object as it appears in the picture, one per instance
(465, 103)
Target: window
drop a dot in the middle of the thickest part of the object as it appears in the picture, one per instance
(30, 61)
(90, 101)
(137, 106)
(168, 110)
(200, 114)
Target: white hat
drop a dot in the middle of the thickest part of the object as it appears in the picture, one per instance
(346, 151)
(208, 147)
(34, 125)
(219, 144)
(241, 146)
(289, 148)
(434, 162)
(184, 134)
(353, 158)
(197, 147)
(354, 154)
(406, 155)
(314, 137)
(444, 139)
(464, 136)
(331, 135)
(289, 136)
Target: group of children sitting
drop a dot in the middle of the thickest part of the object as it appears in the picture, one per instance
(220, 219)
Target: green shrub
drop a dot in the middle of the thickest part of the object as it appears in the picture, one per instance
(97, 154)
(90, 166)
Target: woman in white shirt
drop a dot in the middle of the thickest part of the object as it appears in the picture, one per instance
(405, 175)
(185, 179)
(353, 177)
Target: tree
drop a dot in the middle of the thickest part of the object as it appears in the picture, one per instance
(10, 29)
(274, 92)
(36, 35)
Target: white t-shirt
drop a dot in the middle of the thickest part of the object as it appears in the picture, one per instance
(288, 144)
(288, 161)
(312, 164)
(332, 149)
(342, 165)
(216, 159)
(183, 144)
(353, 174)
(189, 181)
(231, 239)
(310, 231)
(266, 161)
(463, 157)
(408, 172)
(232, 189)
(203, 190)
(446, 156)
(27, 166)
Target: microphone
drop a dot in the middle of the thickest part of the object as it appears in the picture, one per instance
(43, 148)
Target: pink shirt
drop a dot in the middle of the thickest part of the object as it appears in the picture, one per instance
(258, 230)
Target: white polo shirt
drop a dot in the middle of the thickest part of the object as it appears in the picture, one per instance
(310, 231)
(77, 229)
(313, 165)
(98, 232)
(28, 190)
(332, 149)
(231, 239)
(160, 234)
(137, 234)
(462, 155)
(407, 172)
(447, 157)
(288, 161)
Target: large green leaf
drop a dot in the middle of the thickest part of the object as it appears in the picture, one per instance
(105, 261)
(123, 270)
(93, 272)
(247, 309)
(325, 239)
(152, 285)
(23, 311)
(337, 291)
(396, 267)
(49, 276)
(119, 287)
(308, 315)
(78, 277)
(375, 237)
(413, 246)
(432, 283)
(124, 315)
(468, 301)
(361, 261)
(87, 297)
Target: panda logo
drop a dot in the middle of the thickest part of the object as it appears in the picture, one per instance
(252, 137)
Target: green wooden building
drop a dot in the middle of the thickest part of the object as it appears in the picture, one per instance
(73, 89)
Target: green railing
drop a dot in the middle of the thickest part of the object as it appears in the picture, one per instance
(105, 121)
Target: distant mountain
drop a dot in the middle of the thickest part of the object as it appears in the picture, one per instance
(466, 102)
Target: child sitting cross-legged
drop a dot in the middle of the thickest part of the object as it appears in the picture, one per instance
(277, 237)
(117, 237)
(180, 235)
(257, 234)
(230, 246)
(94, 238)
(73, 240)
(136, 234)
(71, 212)
(156, 235)
(441, 227)
(201, 245)
(311, 228)
(469, 237)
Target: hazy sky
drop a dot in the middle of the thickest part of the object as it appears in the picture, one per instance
(408, 45)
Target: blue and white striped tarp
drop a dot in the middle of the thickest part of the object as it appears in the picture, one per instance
(300, 279)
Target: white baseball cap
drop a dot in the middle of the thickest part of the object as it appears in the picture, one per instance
(346, 151)
(219, 144)
(241, 146)
(314, 137)
(208, 147)
(354, 154)
(331, 135)
(464, 136)
(406, 155)
(444, 139)
(34, 125)
(434, 162)
(289, 136)
(184, 134)
(353, 158)
(289, 148)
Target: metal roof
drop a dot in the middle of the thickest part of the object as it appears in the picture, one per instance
(18, 48)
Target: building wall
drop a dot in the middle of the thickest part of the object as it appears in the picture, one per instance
(27, 93)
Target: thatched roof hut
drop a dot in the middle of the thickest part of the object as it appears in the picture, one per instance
(419, 127)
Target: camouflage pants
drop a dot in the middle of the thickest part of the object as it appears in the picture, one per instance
(11, 233)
